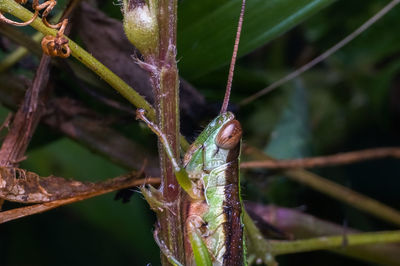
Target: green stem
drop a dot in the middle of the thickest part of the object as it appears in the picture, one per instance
(346, 195)
(266, 250)
(13, 8)
(304, 226)
(337, 191)
(332, 242)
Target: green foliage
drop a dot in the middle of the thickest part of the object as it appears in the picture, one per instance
(206, 29)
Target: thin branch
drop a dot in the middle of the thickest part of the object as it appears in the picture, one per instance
(262, 250)
(324, 55)
(325, 161)
(120, 183)
(336, 191)
(27, 118)
(301, 225)
(333, 242)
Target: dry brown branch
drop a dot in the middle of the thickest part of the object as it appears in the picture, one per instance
(104, 187)
(23, 186)
(324, 161)
(27, 118)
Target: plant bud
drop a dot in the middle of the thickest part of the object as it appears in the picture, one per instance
(141, 25)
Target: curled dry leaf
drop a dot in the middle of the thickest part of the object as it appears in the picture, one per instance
(23, 186)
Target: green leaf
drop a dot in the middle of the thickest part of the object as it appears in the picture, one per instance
(291, 137)
(206, 29)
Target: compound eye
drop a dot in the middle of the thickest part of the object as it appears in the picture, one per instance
(229, 135)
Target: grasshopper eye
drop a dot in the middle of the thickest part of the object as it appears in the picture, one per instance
(229, 135)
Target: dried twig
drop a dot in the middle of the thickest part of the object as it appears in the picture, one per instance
(104, 187)
(324, 161)
(27, 118)
(337, 191)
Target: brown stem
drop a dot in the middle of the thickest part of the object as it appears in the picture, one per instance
(324, 161)
(165, 82)
(111, 185)
(337, 191)
(27, 118)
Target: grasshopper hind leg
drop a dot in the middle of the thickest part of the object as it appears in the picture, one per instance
(200, 250)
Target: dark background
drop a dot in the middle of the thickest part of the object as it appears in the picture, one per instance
(349, 102)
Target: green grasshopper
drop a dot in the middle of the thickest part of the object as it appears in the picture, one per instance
(210, 177)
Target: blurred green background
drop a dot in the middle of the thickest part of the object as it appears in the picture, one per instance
(349, 102)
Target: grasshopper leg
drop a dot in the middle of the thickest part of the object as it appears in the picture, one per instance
(154, 198)
(180, 173)
(200, 250)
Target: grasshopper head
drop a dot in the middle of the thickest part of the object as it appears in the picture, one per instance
(211, 148)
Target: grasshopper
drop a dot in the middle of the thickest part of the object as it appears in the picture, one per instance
(210, 177)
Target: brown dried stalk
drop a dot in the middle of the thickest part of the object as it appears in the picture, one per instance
(97, 189)
(27, 118)
(325, 161)
(334, 190)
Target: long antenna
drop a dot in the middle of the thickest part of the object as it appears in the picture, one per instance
(233, 61)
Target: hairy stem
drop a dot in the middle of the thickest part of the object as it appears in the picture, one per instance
(167, 84)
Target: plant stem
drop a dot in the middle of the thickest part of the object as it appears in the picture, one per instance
(166, 86)
(326, 161)
(337, 191)
(266, 250)
(299, 225)
(15, 9)
(346, 195)
(331, 242)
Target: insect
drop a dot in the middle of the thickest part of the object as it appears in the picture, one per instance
(210, 176)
